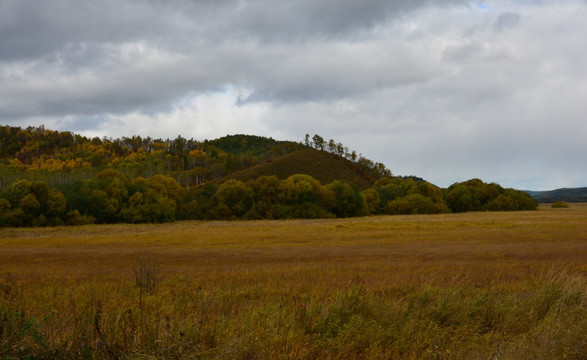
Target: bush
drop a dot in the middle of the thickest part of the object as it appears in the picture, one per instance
(559, 204)
(415, 204)
(74, 218)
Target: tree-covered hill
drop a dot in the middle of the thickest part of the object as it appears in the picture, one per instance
(62, 157)
(564, 194)
(54, 178)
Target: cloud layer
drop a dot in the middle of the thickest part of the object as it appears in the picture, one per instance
(446, 90)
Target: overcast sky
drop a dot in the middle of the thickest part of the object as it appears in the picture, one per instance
(447, 90)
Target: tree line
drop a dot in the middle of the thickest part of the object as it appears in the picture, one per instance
(53, 178)
(112, 197)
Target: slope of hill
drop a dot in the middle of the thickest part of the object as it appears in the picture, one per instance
(322, 166)
(564, 194)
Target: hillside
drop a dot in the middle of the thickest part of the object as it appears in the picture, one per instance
(321, 165)
(564, 194)
(63, 158)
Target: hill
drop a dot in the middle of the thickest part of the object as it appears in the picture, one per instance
(563, 194)
(321, 165)
(61, 158)
(53, 178)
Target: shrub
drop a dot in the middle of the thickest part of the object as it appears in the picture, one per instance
(559, 204)
(74, 218)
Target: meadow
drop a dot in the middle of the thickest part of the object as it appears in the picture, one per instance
(487, 285)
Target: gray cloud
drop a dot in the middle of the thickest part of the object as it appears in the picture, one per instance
(85, 57)
(507, 20)
(33, 29)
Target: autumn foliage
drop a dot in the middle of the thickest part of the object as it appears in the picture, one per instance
(54, 178)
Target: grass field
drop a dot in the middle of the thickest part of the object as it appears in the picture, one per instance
(508, 285)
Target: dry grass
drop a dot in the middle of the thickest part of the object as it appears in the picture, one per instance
(455, 286)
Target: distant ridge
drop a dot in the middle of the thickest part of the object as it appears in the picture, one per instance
(321, 165)
(563, 194)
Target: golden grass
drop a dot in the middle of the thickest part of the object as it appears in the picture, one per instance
(464, 286)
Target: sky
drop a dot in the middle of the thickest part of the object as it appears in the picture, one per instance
(447, 90)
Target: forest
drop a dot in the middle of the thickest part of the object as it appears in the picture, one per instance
(50, 178)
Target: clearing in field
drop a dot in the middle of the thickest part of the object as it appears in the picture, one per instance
(456, 286)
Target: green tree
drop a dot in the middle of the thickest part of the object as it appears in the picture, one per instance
(15, 192)
(113, 182)
(372, 200)
(5, 207)
(30, 205)
(166, 186)
(459, 198)
(105, 196)
(234, 199)
(267, 204)
(344, 200)
(475, 195)
(202, 201)
(318, 142)
(301, 188)
(391, 188)
(303, 196)
(56, 203)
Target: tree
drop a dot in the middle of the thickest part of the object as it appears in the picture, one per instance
(459, 198)
(166, 186)
(344, 200)
(5, 207)
(318, 142)
(56, 204)
(26, 203)
(30, 205)
(201, 201)
(15, 192)
(156, 199)
(234, 199)
(391, 188)
(475, 195)
(300, 188)
(372, 200)
(113, 182)
(303, 197)
(332, 146)
(267, 204)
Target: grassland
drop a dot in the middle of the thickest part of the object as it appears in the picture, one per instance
(454, 286)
